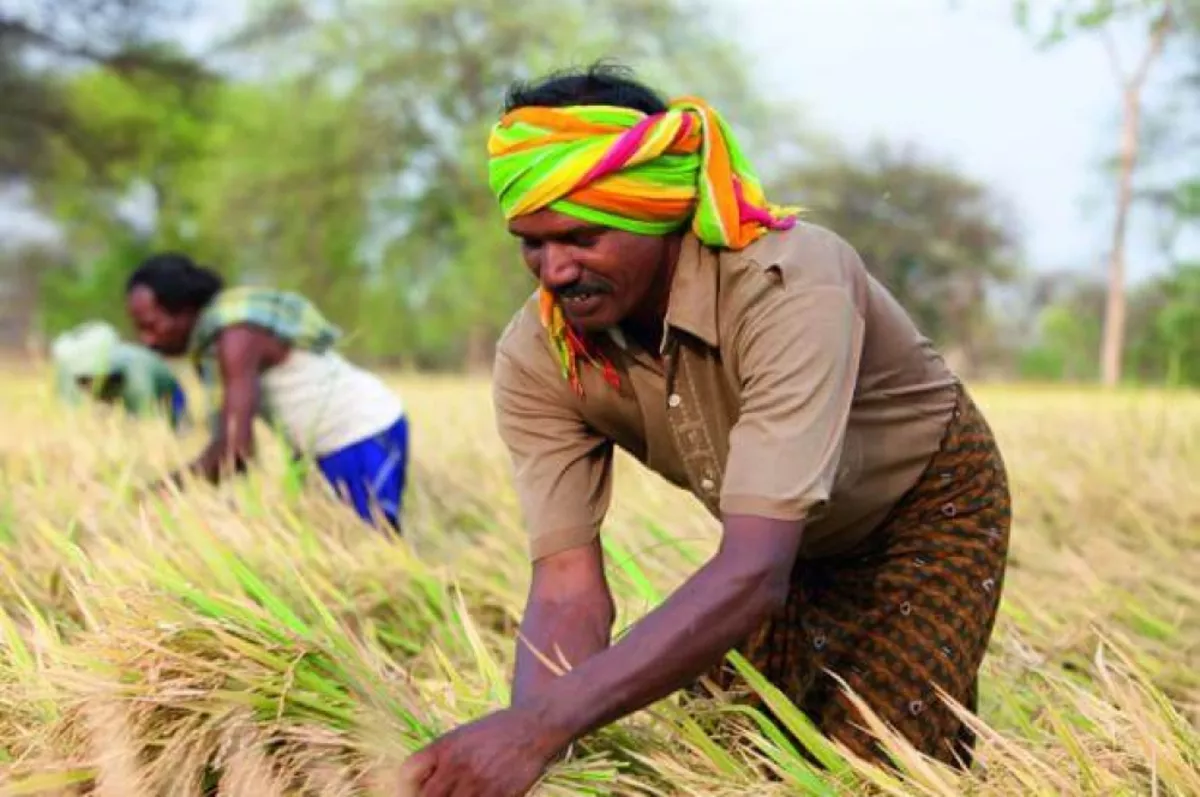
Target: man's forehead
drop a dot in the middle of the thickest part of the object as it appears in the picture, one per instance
(142, 296)
(548, 223)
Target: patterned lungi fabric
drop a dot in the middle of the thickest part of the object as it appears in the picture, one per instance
(912, 606)
(178, 407)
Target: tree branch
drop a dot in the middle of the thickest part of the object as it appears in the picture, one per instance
(20, 31)
(1162, 26)
(121, 60)
(1114, 57)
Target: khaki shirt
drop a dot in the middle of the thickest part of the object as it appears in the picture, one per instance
(791, 385)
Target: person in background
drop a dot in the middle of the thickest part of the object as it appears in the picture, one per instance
(750, 358)
(92, 360)
(272, 355)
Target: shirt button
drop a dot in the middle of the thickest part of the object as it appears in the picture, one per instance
(707, 485)
(674, 400)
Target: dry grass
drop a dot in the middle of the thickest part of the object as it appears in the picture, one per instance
(256, 641)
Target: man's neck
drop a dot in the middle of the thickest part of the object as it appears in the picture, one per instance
(645, 325)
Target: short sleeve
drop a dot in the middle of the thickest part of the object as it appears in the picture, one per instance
(562, 468)
(798, 349)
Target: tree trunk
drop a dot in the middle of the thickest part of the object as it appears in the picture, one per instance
(1112, 344)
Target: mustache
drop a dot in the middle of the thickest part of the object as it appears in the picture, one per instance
(580, 288)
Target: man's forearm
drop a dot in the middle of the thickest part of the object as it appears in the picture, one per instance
(707, 616)
(575, 632)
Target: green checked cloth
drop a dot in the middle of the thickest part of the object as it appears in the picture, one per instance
(286, 315)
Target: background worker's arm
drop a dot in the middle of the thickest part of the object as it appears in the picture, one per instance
(243, 352)
(239, 359)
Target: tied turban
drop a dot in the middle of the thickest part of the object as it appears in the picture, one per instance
(619, 167)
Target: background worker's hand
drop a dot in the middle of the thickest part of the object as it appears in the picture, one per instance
(159, 488)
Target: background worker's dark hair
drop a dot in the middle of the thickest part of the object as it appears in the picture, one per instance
(177, 283)
(602, 83)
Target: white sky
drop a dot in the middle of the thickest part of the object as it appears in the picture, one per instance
(967, 86)
(956, 78)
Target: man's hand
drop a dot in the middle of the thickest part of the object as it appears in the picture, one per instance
(569, 612)
(501, 755)
(159, 488)
(715, 609)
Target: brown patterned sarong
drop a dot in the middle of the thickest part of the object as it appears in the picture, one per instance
(912, 606)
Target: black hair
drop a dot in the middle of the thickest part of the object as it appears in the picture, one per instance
(177, 283)
(601, 83)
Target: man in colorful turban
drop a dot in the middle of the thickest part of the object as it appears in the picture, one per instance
(751, 359)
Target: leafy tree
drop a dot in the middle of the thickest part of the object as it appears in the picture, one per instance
(1165, 333)
(40, 40)
(418, 84)
(1095, 17)
(937, 239)
(1164, 329)
(144, 131)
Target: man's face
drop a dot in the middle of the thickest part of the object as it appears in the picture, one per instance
(600, 275)
(157, 328)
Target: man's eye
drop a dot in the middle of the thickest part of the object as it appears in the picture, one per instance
(530, 243)
(584, 241)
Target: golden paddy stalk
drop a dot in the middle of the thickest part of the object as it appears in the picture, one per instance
(258, 640)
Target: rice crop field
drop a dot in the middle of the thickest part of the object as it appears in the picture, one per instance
(256, 640)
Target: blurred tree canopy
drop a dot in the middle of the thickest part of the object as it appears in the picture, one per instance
(936, 238)
(339, 149)
(1144, 331)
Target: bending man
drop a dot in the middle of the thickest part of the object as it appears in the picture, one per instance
(751, 359)
(271, 354)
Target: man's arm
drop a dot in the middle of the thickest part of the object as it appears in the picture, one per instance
(563, 471)
(242, 352)
(568, 615)
(720, 605)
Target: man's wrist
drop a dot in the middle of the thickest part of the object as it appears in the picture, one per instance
(556, 720)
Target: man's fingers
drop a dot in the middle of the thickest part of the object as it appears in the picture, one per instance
(415, 771)
(443, 782)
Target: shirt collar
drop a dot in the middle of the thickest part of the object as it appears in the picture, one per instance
(692, 306)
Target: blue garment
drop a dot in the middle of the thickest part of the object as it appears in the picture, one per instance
(372, 473)
(178, 406)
